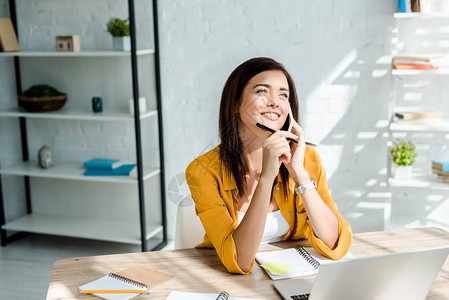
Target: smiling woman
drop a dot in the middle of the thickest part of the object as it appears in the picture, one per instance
(257, 186)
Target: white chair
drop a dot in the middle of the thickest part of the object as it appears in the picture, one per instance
(189, 229)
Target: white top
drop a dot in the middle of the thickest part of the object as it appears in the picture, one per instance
(275, 226)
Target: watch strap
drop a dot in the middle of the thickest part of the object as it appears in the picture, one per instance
(303, 188)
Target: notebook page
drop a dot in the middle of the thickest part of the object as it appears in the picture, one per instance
(326, 260)
(286, 256)
(110, 283)
(292, 257)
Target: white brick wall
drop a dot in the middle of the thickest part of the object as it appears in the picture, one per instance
(331, 50)
(336, 51)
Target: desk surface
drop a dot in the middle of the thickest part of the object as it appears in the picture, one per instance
(200, 270)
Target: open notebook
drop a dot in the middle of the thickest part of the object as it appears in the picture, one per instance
(114, 282)
(176, 295)
(293, 262)
(137, 278)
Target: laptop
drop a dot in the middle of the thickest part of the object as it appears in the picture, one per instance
(406, 275)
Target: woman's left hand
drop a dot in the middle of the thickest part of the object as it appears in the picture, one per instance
(296, 165)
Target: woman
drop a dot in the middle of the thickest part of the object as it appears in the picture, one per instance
(244, 189)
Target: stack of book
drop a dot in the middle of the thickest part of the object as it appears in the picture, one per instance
(441, 168)
(419, 117)
(423, 6)
(107, 167)
(414, 61)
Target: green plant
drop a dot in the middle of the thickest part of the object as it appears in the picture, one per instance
(41, 90)
(118, 27)
(403, 153)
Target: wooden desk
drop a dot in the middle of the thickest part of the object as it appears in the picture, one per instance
(200, 270)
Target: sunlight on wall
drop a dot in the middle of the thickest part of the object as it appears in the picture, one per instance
(341, 67)
(334, 99)
(383, 67)
(333, 155)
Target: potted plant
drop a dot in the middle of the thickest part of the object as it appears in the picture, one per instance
(403, 155)
(42, 97)
(119, 29)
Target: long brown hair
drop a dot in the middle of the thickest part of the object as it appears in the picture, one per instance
(231, 148)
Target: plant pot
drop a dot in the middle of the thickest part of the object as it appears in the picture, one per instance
(122, 43)
(403, 172)
(42, 104)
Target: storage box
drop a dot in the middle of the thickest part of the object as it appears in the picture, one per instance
(70, 43)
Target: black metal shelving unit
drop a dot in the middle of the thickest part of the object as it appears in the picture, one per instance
(5, 239)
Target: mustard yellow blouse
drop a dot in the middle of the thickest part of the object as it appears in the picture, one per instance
(215, 194)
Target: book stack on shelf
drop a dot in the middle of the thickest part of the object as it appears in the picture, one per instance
(414, 61)
(107, 167)
(419, 117)
(441, 168)
(423, 6)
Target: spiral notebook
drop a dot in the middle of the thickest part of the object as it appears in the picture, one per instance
(176, 295)
(293, 262)
(135, 278)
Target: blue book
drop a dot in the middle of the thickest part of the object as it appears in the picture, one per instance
(441, 164)
(402, 6)
(103, 163)
(123, 170)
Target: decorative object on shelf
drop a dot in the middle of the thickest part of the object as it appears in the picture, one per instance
(119, 29)
(46, 157)
(41, 98)
(8, 38)
(69, 43)
(142, 105)
(97, 104)
(403, 155)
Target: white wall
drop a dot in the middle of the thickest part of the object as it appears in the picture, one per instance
(337, 52)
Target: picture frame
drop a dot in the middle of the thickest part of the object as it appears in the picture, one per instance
(8, 37)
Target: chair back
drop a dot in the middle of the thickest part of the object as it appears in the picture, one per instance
(189, 230)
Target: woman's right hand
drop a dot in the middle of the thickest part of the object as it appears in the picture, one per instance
(276, 150)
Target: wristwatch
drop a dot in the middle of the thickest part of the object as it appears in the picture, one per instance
(303, 188)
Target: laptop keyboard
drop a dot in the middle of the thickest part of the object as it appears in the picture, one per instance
(300, 297)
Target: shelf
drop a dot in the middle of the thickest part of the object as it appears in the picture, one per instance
(419, 179)
(441, 71)
(420, 128)
(114, 231)
(74, 54)
(70, 171)
(100, 66)
(75, 115)
(415, 15)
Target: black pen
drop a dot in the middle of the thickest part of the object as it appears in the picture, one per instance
(273, 131)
